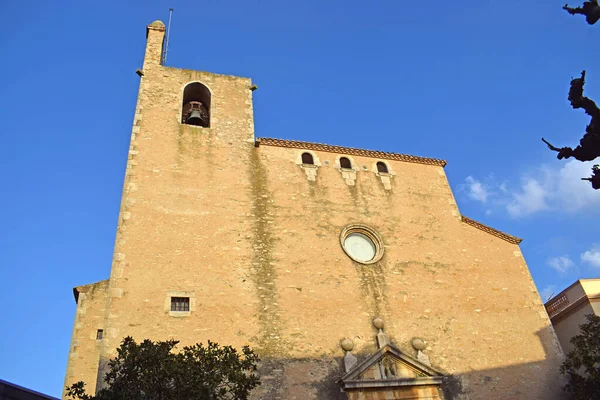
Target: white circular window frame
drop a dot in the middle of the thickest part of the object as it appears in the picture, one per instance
(368, 232)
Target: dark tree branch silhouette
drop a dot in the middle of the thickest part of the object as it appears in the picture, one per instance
(589, 145)
(595, 178)
(590, 9)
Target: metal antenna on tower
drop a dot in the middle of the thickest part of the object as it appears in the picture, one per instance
(164, 60)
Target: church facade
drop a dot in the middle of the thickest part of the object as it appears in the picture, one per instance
(350, 272)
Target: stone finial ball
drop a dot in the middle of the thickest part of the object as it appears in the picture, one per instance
(418, 344)
(347, 345)
(378, 323)
(158, 24)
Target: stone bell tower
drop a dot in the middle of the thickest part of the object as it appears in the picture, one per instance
(185, 195)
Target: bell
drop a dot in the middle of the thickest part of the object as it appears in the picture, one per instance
(195, 118)
(195, 113)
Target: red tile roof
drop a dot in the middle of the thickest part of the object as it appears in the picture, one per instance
(491, 231)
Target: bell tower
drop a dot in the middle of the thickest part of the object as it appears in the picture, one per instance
(186, 183)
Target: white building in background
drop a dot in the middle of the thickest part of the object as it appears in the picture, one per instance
(568, 309)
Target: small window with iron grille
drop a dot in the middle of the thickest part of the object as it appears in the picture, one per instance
(180, 304)
(99, 334)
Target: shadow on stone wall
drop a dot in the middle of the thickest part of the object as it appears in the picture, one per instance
(309, 378)
(317, 379)
(521, 381)
(527, 380)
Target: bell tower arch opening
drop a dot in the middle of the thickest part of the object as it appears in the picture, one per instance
(196, 105)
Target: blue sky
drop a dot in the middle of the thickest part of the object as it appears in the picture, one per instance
(477, 84)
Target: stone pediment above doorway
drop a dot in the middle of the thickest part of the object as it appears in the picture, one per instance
(391, 374)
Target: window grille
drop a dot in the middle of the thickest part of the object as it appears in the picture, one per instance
(180, 304)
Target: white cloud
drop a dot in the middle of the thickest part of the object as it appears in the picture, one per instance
(571, 192)
(548, 188)
(476, 190)
(548, 292)
(530, 198)
(592, 256)
(562, 264)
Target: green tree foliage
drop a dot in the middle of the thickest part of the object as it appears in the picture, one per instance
(582, 365)
(153, 371)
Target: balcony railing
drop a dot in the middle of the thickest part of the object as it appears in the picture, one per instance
(559, 304)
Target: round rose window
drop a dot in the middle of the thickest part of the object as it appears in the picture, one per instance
(359, 247)
(362, 244)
